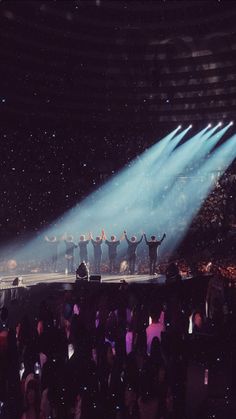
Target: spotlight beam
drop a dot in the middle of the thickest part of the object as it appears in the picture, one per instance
(180, 158)
(219, 160)
(109, 206)
(159, 163)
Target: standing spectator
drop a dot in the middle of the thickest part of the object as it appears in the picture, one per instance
(111, 388)
(155, 329)
(4, 333)
(32, 401)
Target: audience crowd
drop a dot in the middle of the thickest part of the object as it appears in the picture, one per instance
(96, 352)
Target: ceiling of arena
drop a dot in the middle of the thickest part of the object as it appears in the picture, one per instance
(118, 62)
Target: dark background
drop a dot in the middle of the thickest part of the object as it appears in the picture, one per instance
(88, 85)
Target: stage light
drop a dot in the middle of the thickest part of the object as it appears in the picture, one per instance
(180, 126)
(213, 140)
(231, 123)
(82, 271)
(219, 124)
(190, 126)
(209, 126)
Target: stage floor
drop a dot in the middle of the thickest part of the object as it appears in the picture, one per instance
(32, 279)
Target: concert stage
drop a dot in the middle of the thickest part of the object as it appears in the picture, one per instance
(29, 280)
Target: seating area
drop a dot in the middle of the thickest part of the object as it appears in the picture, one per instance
(90, 350)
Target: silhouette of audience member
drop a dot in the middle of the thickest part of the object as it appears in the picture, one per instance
(156, 328)
(31, 400)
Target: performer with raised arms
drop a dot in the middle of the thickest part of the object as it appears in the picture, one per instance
(131, 251)
(153, 245)
(112, 251)
(69, 255)
(97, 251)
(83, 250)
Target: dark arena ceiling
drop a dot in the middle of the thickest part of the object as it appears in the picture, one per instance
(120, 63)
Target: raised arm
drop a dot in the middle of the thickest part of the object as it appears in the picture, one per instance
(126, 237)
(145, 238)
(63, 237)
(140, 239)
(122, 236)
(89, 237)
(164, 235)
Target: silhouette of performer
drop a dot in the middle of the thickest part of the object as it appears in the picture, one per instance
(112, 252)
(97, 252)
(153, 245)
(83, 250)
(69, 255)
(131, 251)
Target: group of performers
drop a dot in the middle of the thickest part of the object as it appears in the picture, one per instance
(112, 244)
